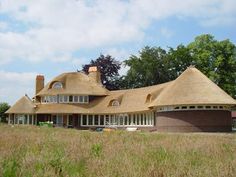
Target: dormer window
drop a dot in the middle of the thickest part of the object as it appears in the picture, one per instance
(57, 85)
(148, 98)
(115, 103)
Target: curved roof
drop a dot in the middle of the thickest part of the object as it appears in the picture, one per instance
(192, 87)
(22, 106)
(74, 83)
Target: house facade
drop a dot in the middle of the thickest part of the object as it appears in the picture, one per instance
(192, 102)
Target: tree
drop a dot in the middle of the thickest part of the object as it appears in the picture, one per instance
(109, 68)
(178, 60)
(217, 60)
(3, 108)
(147, 68)
(153, 65)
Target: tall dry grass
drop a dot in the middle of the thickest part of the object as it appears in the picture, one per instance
(33, 151)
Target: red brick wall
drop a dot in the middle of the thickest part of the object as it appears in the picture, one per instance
(194, 121)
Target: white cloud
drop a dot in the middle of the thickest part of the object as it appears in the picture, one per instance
(15, 85)
(56, 28)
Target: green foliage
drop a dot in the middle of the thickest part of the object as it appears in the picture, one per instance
(216, 59)
(96, 150)
(109, 68)
(146, 69)
(75, 168)
(10, 167)
(3, 108)
(154, 65)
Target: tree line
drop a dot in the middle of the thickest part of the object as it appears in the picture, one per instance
(155, 65)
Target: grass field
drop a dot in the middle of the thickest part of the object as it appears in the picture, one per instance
(33, 151)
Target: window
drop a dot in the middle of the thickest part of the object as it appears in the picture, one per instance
(149, 98)
(65, 99)
(60, 98)
(107, 120)
(57, 85)
(96, 120)
(85, 99)
(76, 99)
(59, 120)
(50, 99)
(208, 107)
(81, 99)
(115, 103)
(191, 107)
(101, 120)
(70, 98)
(84, 119)
(90, 121)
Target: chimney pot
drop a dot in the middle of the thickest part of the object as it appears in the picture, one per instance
(94, 74)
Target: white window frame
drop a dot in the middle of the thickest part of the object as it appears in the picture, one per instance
(57, 85)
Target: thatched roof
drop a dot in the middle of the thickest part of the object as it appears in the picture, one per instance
(192, 88)
(131, 100)
(74, 83)
(22, 106)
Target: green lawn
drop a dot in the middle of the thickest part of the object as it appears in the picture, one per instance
(40, 151)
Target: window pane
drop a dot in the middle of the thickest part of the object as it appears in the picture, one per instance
(121, 120)
(126, 120)
(70, 98)
(76, 99)
(84, 119)
(138, 115)
(65, 98)
(60, 98)
(85, 99)
(90, 120)
(54, 119)
(141, 119)
(30, 119)
(96, 120)
(134, 117)
(57, 85)
(81, 99)
(107, 120)
(101, 120)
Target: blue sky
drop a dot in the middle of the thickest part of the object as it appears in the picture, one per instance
(51, 37)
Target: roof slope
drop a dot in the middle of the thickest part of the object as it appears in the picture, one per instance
(132, 100)
(22, 106)
(74, 83)
(193, 87)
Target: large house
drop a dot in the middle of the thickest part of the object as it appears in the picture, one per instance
(192, 102)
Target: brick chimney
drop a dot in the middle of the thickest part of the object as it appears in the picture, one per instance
(94, 74)
(39, 85)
